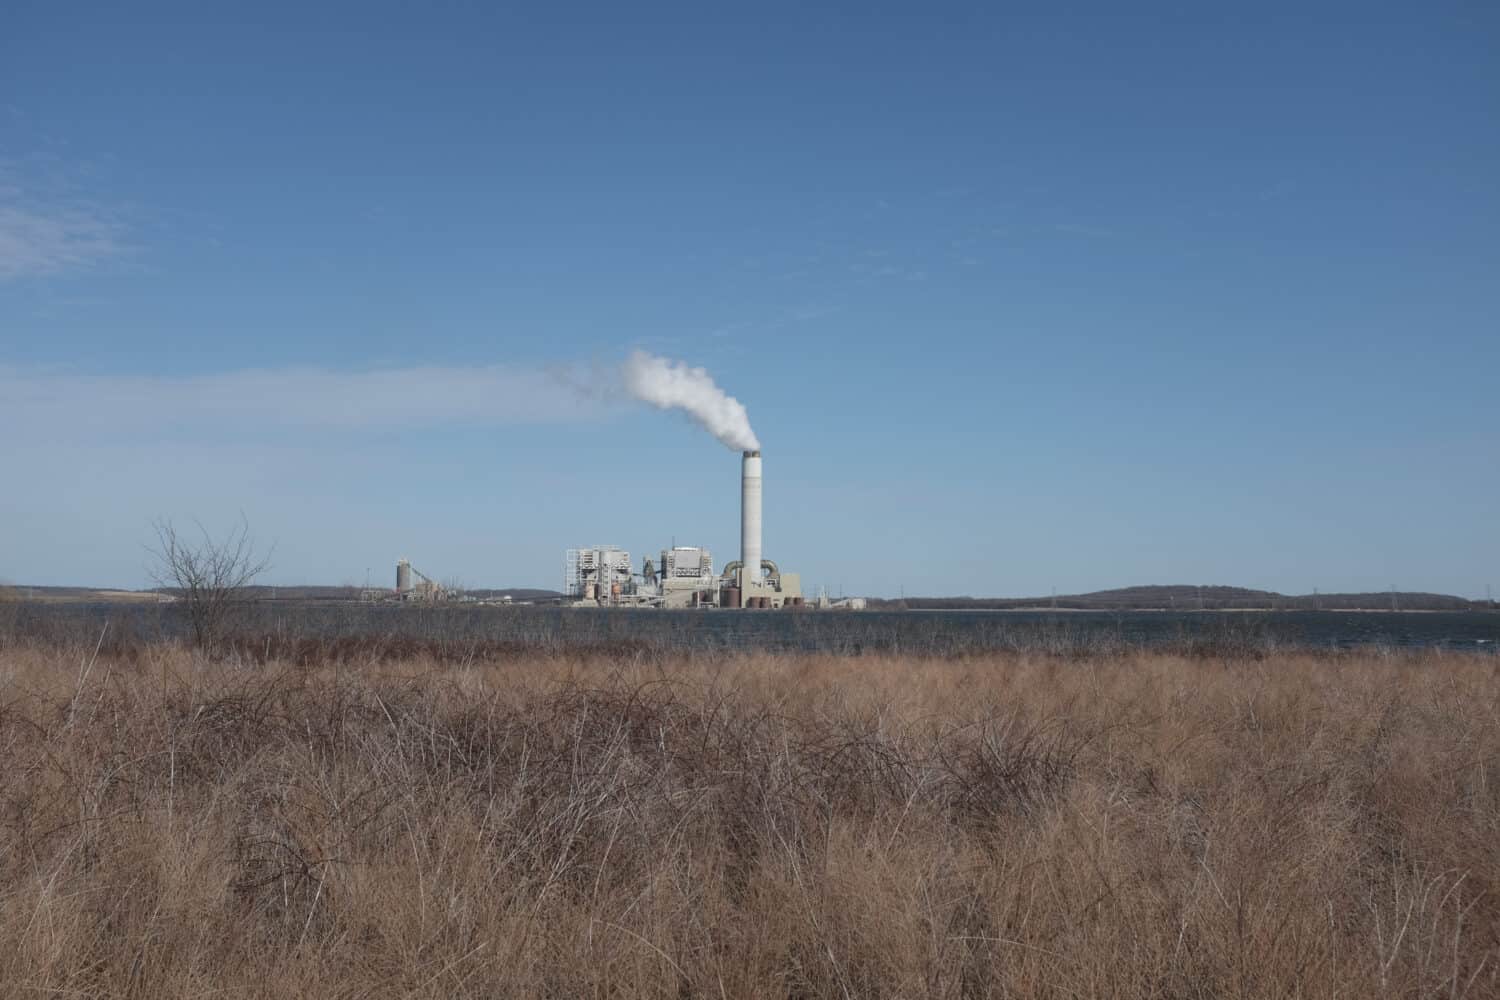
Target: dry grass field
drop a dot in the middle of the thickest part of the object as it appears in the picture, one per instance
(627, 826)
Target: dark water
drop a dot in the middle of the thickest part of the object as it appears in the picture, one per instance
(830, 631)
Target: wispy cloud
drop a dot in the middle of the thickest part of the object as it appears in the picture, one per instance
(39, 237)
(73, 405)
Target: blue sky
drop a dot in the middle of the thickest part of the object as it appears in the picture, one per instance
(1017, 299)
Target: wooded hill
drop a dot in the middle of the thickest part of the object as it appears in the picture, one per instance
(1190, 597)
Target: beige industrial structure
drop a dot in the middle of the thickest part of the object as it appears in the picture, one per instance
(685, 579)
(597, 574)
(425, 590)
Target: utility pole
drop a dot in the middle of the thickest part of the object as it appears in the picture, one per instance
(1393, 598)
(1317, 600)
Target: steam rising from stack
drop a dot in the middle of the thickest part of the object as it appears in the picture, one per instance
(674, 385)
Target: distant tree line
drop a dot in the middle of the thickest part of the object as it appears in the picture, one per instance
(1189, 598)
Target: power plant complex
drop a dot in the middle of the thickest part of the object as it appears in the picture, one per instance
(683, 577)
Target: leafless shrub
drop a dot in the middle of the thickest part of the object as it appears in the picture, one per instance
(209, 575)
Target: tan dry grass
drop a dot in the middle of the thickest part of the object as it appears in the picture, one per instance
(750, 827)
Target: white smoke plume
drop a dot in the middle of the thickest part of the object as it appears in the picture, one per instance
(674, 385)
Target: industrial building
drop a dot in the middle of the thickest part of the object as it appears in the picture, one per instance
(599, 574)
(684, 576)
(425, 589)
(602, 575)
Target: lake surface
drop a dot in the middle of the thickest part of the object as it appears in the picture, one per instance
(828, 631)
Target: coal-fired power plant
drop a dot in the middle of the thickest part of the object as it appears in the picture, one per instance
(685, 577)
(596, 575)
(750, 488)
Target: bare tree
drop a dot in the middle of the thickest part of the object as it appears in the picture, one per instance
(208, 575)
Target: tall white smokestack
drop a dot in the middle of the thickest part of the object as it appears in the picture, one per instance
(750, 516)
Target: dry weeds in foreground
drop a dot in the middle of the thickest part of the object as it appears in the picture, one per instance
(754, 827)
